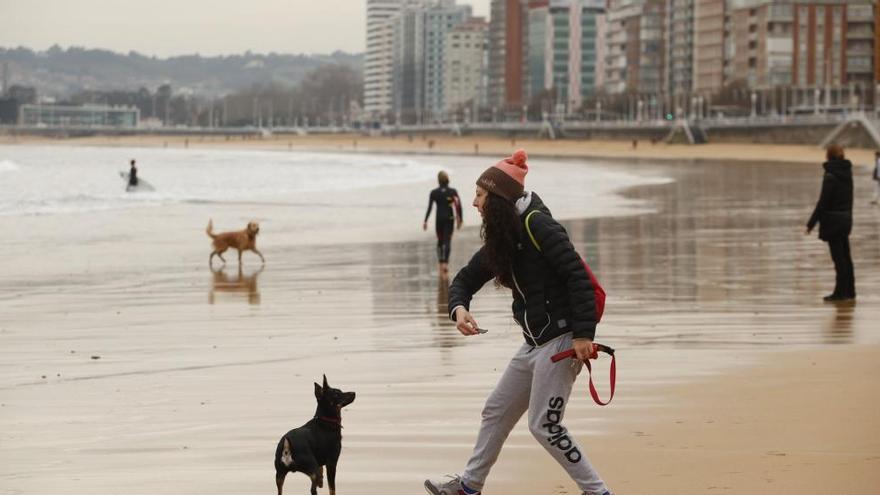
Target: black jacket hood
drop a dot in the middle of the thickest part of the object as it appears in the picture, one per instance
(840, 169)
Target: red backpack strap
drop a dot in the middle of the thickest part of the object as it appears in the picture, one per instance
(595, 354)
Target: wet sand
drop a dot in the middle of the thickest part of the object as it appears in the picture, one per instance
(733, 376)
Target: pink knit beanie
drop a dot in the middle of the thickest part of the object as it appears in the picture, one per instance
(506, 178)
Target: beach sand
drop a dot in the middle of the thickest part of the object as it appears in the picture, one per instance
(126, 366)
(479, 145)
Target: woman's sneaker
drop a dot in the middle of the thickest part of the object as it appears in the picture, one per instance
(452, 486)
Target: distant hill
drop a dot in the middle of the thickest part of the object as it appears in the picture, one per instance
(59, 72)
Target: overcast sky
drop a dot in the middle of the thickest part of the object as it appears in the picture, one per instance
(175, 27)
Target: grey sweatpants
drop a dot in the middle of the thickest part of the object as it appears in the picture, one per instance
(532, 382)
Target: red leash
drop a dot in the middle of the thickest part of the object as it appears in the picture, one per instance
(593, 355)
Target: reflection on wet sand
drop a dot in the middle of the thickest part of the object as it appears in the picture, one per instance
(839, 329)
(721, 262)
(442, 327)
(238, 284)
(404, 285)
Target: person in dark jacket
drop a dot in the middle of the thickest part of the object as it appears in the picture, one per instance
(554, 304)
(876, 176)
(447, 218)
(833, 213)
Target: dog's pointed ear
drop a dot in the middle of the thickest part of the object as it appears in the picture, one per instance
(325, 382)
(319, 392)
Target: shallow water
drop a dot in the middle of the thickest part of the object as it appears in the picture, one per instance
(57, 179)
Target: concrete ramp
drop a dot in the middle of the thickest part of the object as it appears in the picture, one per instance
(685, 133)
(858, 131)
(548, 130)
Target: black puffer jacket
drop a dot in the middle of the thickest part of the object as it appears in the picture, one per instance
(834, 209)
(552, 293)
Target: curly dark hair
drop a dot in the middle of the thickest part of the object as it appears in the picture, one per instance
(501, 232)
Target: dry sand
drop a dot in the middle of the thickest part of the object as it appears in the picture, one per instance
(733, 377)
(489, 146)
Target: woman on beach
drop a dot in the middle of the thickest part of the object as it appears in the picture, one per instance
(447, 218)
(833, 213)
(553, 302)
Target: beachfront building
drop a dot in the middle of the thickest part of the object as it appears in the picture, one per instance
(636, 47)
(440, 19)
(418, 61)
(814, 43)
(565, 39)
(78, 116)
(679, 47)
(379, 57)
(711, 46)
(507, 39)
(621, 59)
(465, 67)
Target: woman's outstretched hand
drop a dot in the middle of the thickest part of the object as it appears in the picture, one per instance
(465, 323)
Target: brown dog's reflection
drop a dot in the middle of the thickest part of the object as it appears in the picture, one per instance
(235, 284)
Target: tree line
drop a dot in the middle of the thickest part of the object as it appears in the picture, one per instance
(328, 95)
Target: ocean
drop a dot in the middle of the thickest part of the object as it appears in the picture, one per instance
(56, 180)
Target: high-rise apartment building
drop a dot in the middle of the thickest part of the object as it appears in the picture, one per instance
(378, 60)
(418, 61)
(636, 44)
(860, 58)
(652, 48)
(440, 19)
(465, 65)
(507, 38)
(679, 46)
(710, 46)
(565, 38)
(876, 45)
(622, 38)
(809, 43)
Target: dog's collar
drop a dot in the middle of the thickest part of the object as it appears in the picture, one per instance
(333, 421)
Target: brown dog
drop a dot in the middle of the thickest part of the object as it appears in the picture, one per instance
(241, 240)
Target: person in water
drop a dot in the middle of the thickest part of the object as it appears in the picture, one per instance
(448, 217)
(133, 175)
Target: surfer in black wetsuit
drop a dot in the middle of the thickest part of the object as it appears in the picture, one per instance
(447, 218)
(133, 175)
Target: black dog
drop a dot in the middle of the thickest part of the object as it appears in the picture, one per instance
(316, 444)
